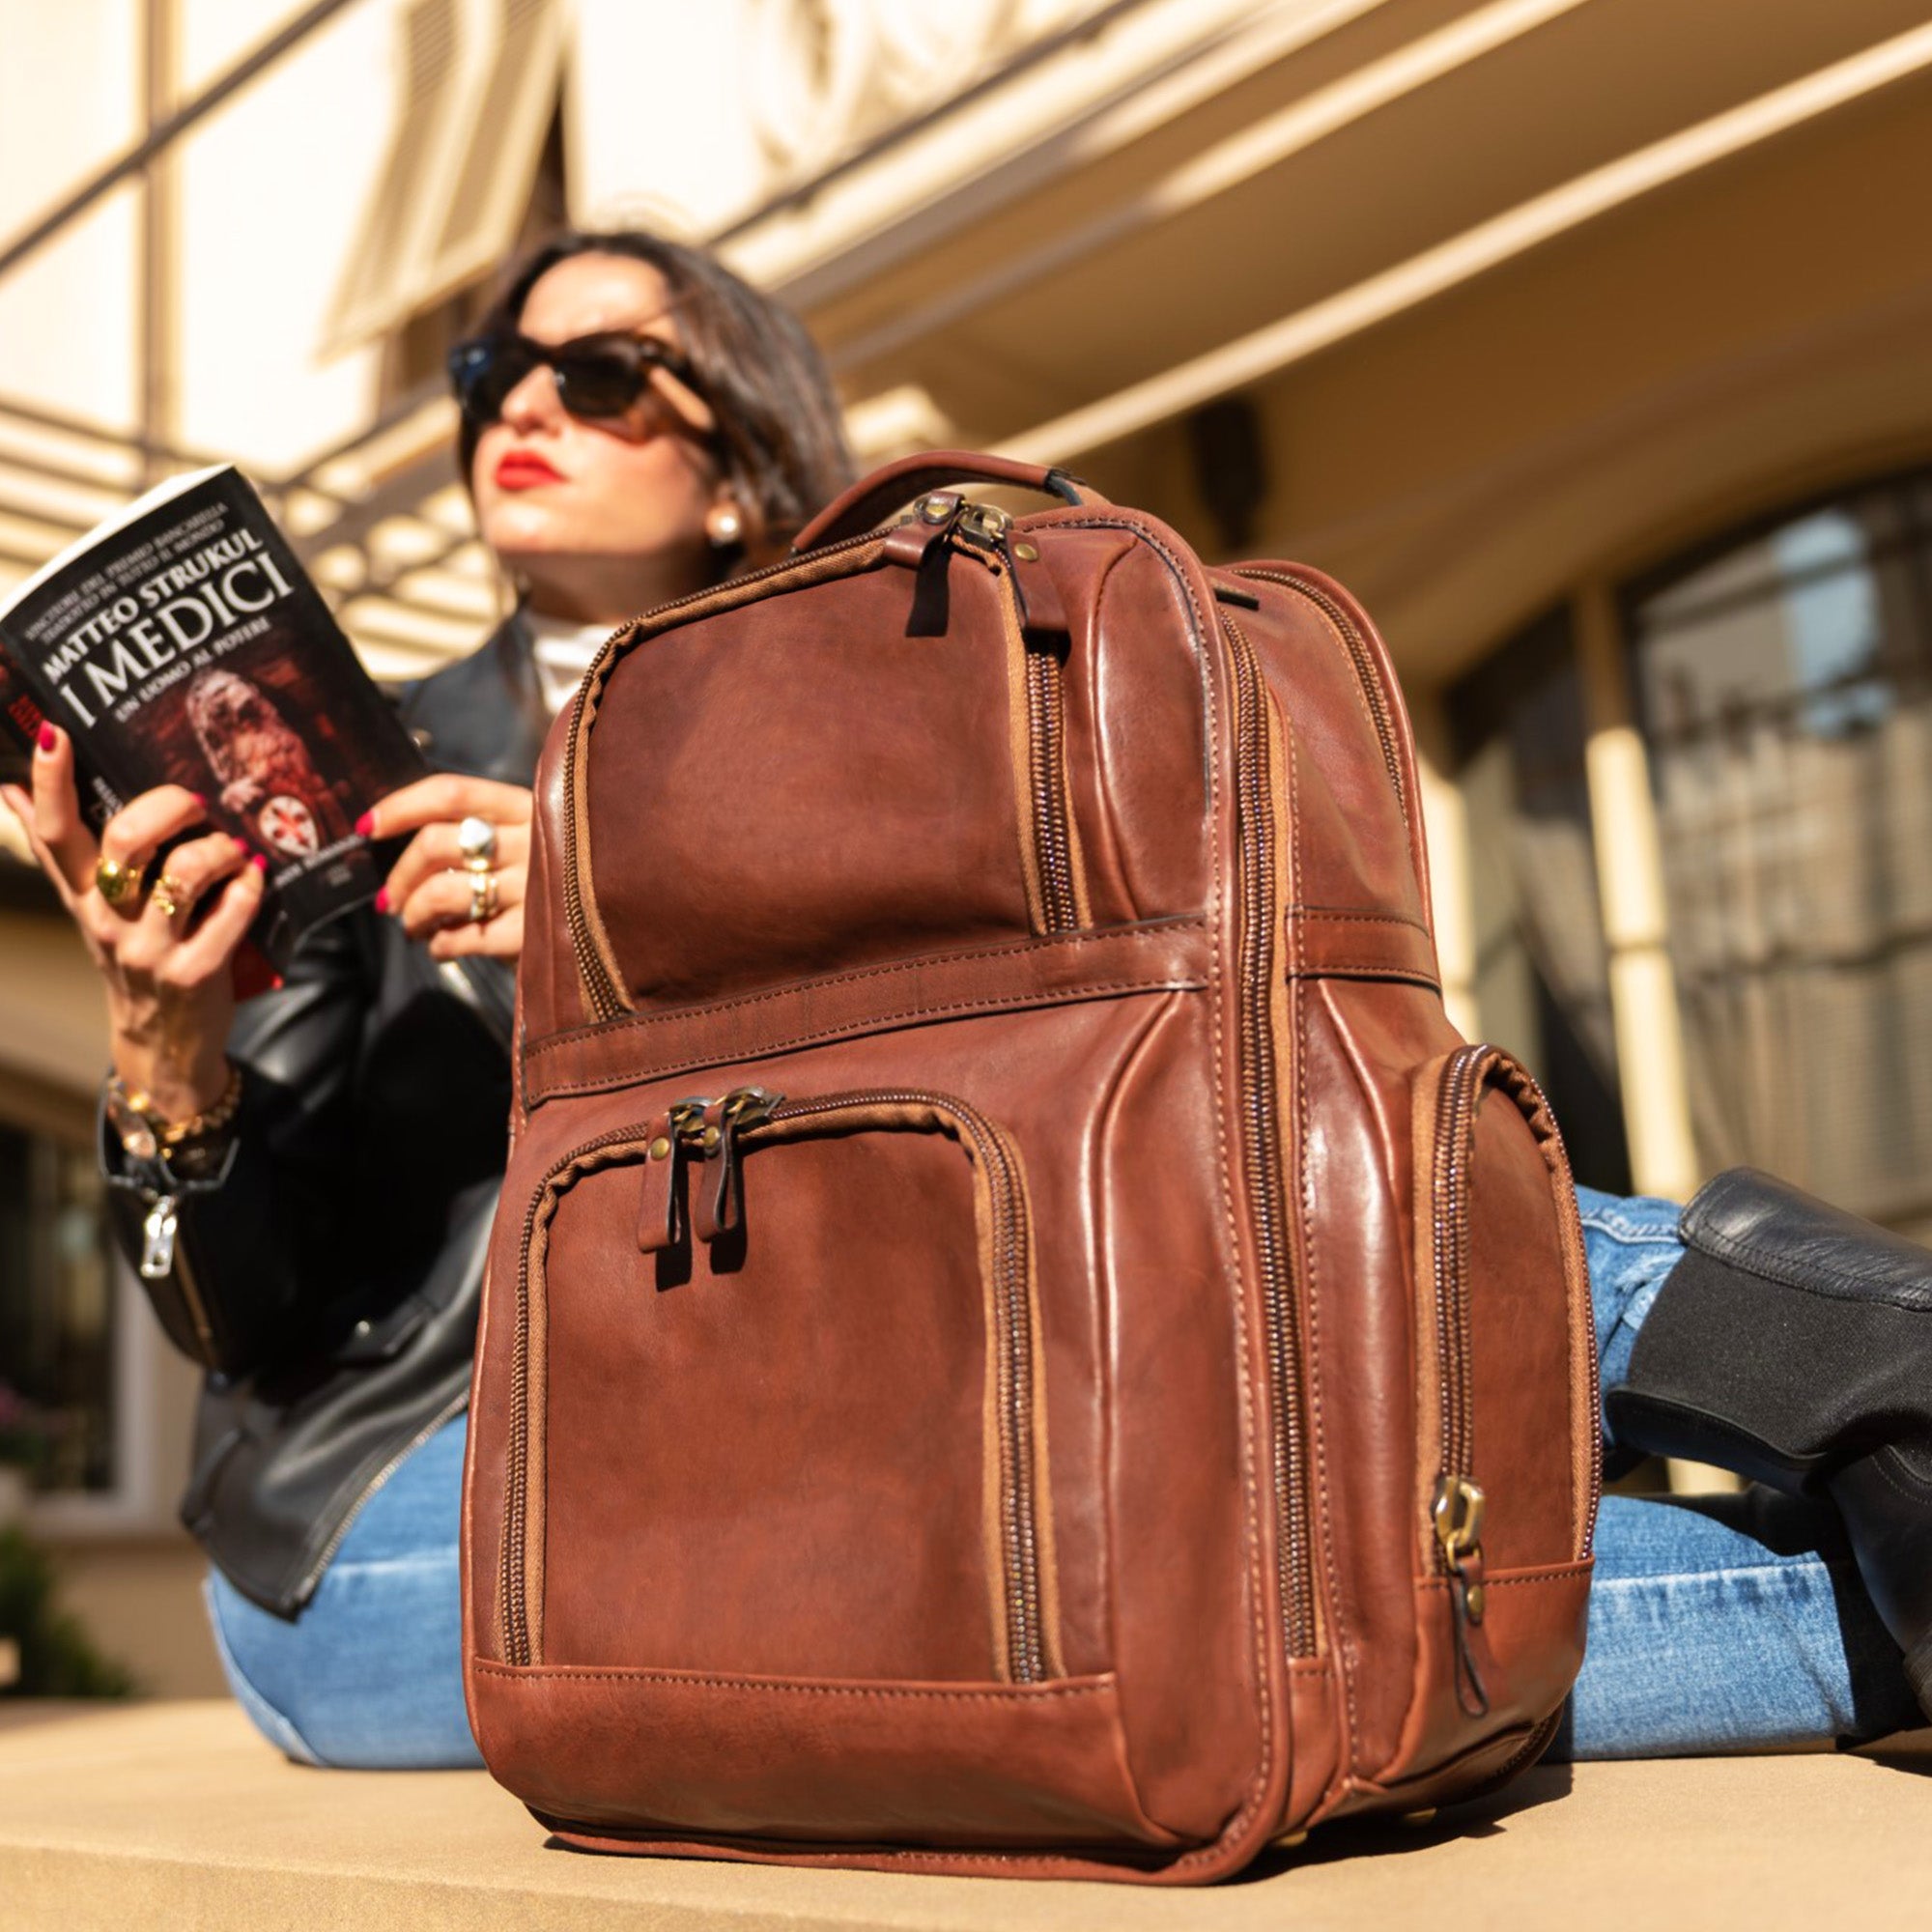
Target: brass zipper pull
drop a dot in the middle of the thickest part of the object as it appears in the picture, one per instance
(984, 525)
(1458, 1517)
(1041, 615)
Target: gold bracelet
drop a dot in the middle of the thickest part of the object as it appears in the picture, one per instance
(132, 1111)
(211, 1119)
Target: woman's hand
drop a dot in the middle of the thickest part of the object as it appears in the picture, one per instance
(428, 888)
(170, 992)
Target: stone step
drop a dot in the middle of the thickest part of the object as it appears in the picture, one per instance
(176, 1814)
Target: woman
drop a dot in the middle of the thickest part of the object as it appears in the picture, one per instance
(637, 423)
(332, 1208)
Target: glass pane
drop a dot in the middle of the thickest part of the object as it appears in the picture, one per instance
(56, 1314)
(1784, 684)
(1542, 971)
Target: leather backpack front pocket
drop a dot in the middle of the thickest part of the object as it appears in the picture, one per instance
(778, 1369)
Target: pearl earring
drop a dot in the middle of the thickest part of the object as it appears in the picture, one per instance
(723, 524)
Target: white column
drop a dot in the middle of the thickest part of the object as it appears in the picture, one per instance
(1446, 821)
(1630, 878)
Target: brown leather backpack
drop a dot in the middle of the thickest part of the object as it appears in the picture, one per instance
(1018, 1339)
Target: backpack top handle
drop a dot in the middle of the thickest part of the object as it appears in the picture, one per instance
(874, 497)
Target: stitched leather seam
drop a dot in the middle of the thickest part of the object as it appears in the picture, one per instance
(1069, 1864)
(1352, 914)
(1567, 1572)
(671, 1680)
(1350, 1053)
(1319, 1520)
(1258, 1580)
(1043, 1864)
(1106, 1116)
(870, 1023)
(1238, 1825)
(966, 956)
(1898, 1475)
(1103, 793)
(1836, 1285)
(1231, 1832)
(1356, 683)
(1029, 994)
(1366, 969)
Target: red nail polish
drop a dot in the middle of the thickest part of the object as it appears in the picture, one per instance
(381, 898)
(364, 823)
(240, 844)
(260, 861)
(47, 739)
(200, 799)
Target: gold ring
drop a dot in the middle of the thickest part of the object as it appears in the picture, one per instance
(482, 896)
(170, 894)
(118, 882)
(476, 843)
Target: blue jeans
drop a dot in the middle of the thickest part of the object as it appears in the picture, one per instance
(1723, 1622)
(370, 1674)
(1717, 1623)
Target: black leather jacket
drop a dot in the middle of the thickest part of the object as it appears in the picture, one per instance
(326, 1274)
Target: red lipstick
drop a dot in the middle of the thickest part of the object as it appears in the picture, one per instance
(524, 469)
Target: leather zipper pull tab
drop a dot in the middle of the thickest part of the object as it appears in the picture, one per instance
(1458, 1513)
(721, 1202)
(924, 544)
(661, 1214)
(713, 1181)
(1043, 616)
(1466, 1594)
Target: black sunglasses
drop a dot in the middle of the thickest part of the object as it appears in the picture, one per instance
(595, 375)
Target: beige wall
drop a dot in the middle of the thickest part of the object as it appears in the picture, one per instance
(1750, 334)
(140, 1599)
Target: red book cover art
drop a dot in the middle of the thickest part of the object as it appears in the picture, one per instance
(181, 642)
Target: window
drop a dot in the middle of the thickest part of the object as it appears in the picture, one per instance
(1542, 973)
(57, 1313)
(1784, 679)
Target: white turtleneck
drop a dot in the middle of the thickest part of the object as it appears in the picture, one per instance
(562, 652)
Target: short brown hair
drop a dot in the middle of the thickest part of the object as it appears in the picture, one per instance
(780, 435)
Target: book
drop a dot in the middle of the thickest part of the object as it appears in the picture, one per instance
(181, 642)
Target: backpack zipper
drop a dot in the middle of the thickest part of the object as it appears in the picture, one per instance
(985, 532)
(1261, 1136)
(1046, 747)
(1459, 1504)
(706, 1128)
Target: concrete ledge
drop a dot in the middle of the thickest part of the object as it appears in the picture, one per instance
(177, 1815)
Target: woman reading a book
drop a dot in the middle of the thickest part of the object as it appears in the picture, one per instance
(636, 424)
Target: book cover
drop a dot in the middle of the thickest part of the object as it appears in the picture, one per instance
(181, 642)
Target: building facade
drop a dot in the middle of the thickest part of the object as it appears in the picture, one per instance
(1585, 339)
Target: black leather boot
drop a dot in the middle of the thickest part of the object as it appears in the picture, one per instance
(1792, 1344)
